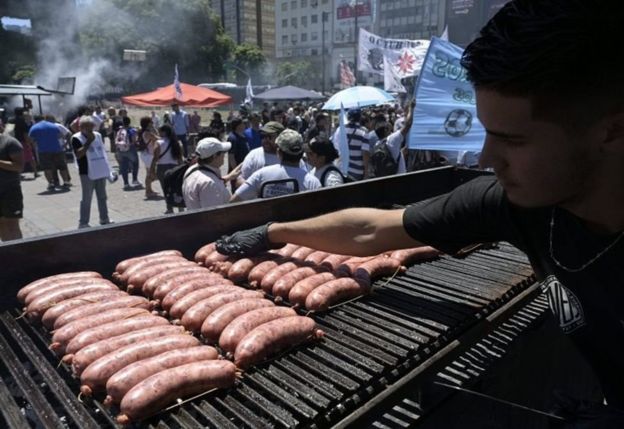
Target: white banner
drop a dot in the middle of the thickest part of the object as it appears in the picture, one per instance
(372, 49)
(392, 80)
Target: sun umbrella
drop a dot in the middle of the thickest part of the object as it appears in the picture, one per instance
(289, 93)
(191, 96)
(358, 96)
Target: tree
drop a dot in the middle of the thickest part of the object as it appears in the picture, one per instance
(18, 56)
(299, 73)
(249, 58)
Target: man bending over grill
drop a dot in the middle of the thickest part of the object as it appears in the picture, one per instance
(550, 93)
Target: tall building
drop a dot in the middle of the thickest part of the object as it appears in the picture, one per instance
(248, 21)
(410, 19)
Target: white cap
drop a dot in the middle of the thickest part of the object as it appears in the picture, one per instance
(210, 146)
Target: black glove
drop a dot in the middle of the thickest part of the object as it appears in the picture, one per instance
(582, 414)
(246, 243)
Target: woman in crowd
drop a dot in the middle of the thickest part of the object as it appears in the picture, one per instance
(321, 154)
(167, 154)
(147, 142)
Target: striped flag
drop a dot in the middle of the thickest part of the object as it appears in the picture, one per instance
(347, 78)
(176, 84)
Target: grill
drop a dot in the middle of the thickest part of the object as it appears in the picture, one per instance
(377, 348)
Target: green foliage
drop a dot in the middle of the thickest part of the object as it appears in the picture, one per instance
(17, 56)
(249, 58)
(299, 73)
(24, 73)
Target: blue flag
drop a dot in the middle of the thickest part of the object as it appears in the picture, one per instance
(445, 118)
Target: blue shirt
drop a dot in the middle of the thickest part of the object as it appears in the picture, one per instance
(180, 122)
(46, 134)
(253, 138)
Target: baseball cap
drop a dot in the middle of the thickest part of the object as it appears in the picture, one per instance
(272, 127)
(210, 146)
(290, 142)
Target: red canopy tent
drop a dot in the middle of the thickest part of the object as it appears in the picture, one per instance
(191, 96)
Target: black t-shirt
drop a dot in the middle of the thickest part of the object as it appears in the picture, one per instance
(8, 147)
(83, 165)
(589, 305)
(240, 147)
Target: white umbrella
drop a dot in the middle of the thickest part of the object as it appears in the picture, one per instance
(358, 96)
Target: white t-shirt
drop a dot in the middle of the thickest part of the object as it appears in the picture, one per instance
(165, 153)
(394, 143)
(202, 189)
(253, 185)
(255, 160)
(332, 178)
(98, 120)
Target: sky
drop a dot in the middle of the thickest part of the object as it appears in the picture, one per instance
(15, 21)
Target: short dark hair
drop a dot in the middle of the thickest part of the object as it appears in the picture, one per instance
(234, 123)
(126, 121)
(322, 146)
(561, 54)
(145, 121)
(290, 158)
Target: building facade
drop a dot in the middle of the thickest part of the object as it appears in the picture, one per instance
(248, 21)
(410, 19)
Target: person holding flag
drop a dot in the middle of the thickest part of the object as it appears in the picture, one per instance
(555, 141)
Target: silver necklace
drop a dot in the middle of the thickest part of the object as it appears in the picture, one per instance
(586, 264)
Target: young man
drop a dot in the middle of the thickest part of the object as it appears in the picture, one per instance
(284, 178)
(11, 199)
(359, 150)
(47, 135)
(555, 139)
(181, 122)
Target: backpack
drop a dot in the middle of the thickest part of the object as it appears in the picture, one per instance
(173, 180)
(122, 140)
(382, 160)
(345, 179)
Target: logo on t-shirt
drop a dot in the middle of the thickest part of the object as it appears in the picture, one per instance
(564, 304)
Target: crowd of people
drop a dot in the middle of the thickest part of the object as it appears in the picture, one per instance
(272, 151)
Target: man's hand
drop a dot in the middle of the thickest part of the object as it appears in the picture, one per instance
(246, 243)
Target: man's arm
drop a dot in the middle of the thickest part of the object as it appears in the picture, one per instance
(81, 150)
(16, 162)
(409, 119)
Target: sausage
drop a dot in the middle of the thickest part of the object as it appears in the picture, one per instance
(87, 355)
(276, 273)
(36, 308)
(259, 271)
(138, 278)
(273, 337)
(282, 287)
(112, 329)
(348, 267)
(172, 284)
(144, 263)
(216, 322)
(300, 291)
(287, 250)
(222, 267)
(195, 316)
(240, 270)
(335, 291)
(380, 266)
(126, 301)
(302, 253)
(202, 252)
(190, 285)
(180, 307)
(57, 310)
(410, 256)
(95, 376)
(333, 261)
(163, 388)
(243, 324)
(63, 336)
(127, 263)
(125, 379)
(24, 291)
(152, 284)
(316, 257)
(58, 285)
(214, 257)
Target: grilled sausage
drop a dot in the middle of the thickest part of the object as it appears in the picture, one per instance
(87, 355)
(63, 336)
(380, 266)
(172, 284)
(245, 323)
(190, 285)
(214, 257)
(348, 267)
(203, 252)
(302, 253)
(300, 291)
(57, 310)
(335, 291)
(126, 301)
(222, 267)
(277, 273)
(409, 256)
(152, 284)
(144, 263)
(195, 316)
(240, 270)
(135, 281)
(34, 285)
(179, 308)
(125, 379)
(36, 308)
(287, 250)
(273, 337)
(163, 388)
(112, 329)
(282, 286)
(316, 257)
(95, 376)
(127, 263)
(216, 322)
(259, 271)
(333, 261)
(59, 285)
